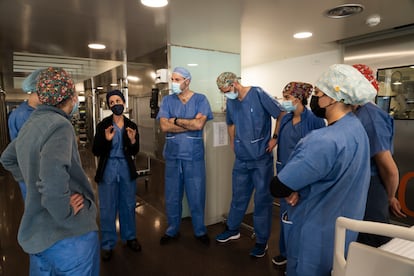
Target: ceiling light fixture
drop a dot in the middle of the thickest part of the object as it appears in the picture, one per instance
(302, 35)
(344, 10)
(373, 20)
(132, 78)
(96, 46)
(154, 3)
(192, 64)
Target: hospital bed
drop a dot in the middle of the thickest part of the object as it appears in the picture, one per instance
(394, 258)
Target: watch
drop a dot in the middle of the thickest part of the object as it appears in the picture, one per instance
(175, 121)
(274, 136)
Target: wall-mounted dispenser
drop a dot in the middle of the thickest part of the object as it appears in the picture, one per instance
(161, 76)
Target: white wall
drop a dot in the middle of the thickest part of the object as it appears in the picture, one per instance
(273, 76)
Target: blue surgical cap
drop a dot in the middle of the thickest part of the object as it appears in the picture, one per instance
(29, 83)
(183, 72)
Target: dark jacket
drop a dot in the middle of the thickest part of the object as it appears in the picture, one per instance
(102, 147)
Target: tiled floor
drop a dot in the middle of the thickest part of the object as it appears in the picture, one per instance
(187, 256)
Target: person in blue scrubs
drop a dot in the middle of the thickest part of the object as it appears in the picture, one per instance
(182, 117)
(295, 125)
(329, 170)
(20, 115)
(58, 228)
(249, 112)
(116, 143)
(384, 171)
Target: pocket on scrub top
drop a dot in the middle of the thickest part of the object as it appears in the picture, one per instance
(171, 146)
(287, 225)
(196, 151)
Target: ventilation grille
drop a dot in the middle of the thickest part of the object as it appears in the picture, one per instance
(344, 11)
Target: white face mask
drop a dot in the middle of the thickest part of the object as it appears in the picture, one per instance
(288, 105)
(175, 87)
(231, 95)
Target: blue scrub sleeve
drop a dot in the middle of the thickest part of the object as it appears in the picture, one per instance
(271, 105)
(311, 160)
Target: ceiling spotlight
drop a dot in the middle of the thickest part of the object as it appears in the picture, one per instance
(302, 35)
(132, 78)
(96, 46)
(154, 3)
(373, 20)
(344, 10)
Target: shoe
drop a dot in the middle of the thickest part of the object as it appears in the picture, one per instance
(259, 250)
(134, 245)
(167, 239)
(279, 260)
(204, 239)
(228, 235)
(106, 255)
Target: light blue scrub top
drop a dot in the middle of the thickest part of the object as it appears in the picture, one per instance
(117, 148)
(18, 117)
(330, 170)
(379, 126)
(290, 134)
(187, 145)
(252, 118)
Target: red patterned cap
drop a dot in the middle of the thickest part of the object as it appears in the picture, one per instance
(368, 73)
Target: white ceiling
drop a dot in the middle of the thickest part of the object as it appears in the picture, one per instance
(63, 28)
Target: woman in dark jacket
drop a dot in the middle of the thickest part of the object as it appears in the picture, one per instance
(116, 143)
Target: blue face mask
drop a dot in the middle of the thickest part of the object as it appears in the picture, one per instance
(231, 95)
(175, 87)
(74, 108)
(289, 106)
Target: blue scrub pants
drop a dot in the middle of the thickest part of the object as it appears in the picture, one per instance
(377, 209)
(191, 176)
(249, 175)
(72, 256)
(117, 197)
(282, 239)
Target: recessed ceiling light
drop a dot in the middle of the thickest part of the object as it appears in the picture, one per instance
(373, 20)
(154, 3)
(96, 46)
(132, 78)
(344, 10)
(302, 35)
(113, 84)
(99, 87)
(192, 64)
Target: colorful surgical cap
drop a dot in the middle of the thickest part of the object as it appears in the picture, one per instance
(183, 72)
(368, 73)
(300, 90)
(344, 83)
(29, 83)
(225, 79)
(54, 85)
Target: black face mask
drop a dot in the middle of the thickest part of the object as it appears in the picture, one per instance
(117, 109)
(316, 109)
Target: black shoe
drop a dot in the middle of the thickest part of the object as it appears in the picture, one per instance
(204, 239)
(134, 245)
(279, 260)
(106, 255)
(167, 239)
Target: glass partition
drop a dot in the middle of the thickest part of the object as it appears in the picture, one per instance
(205, 66)
(396, 93)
